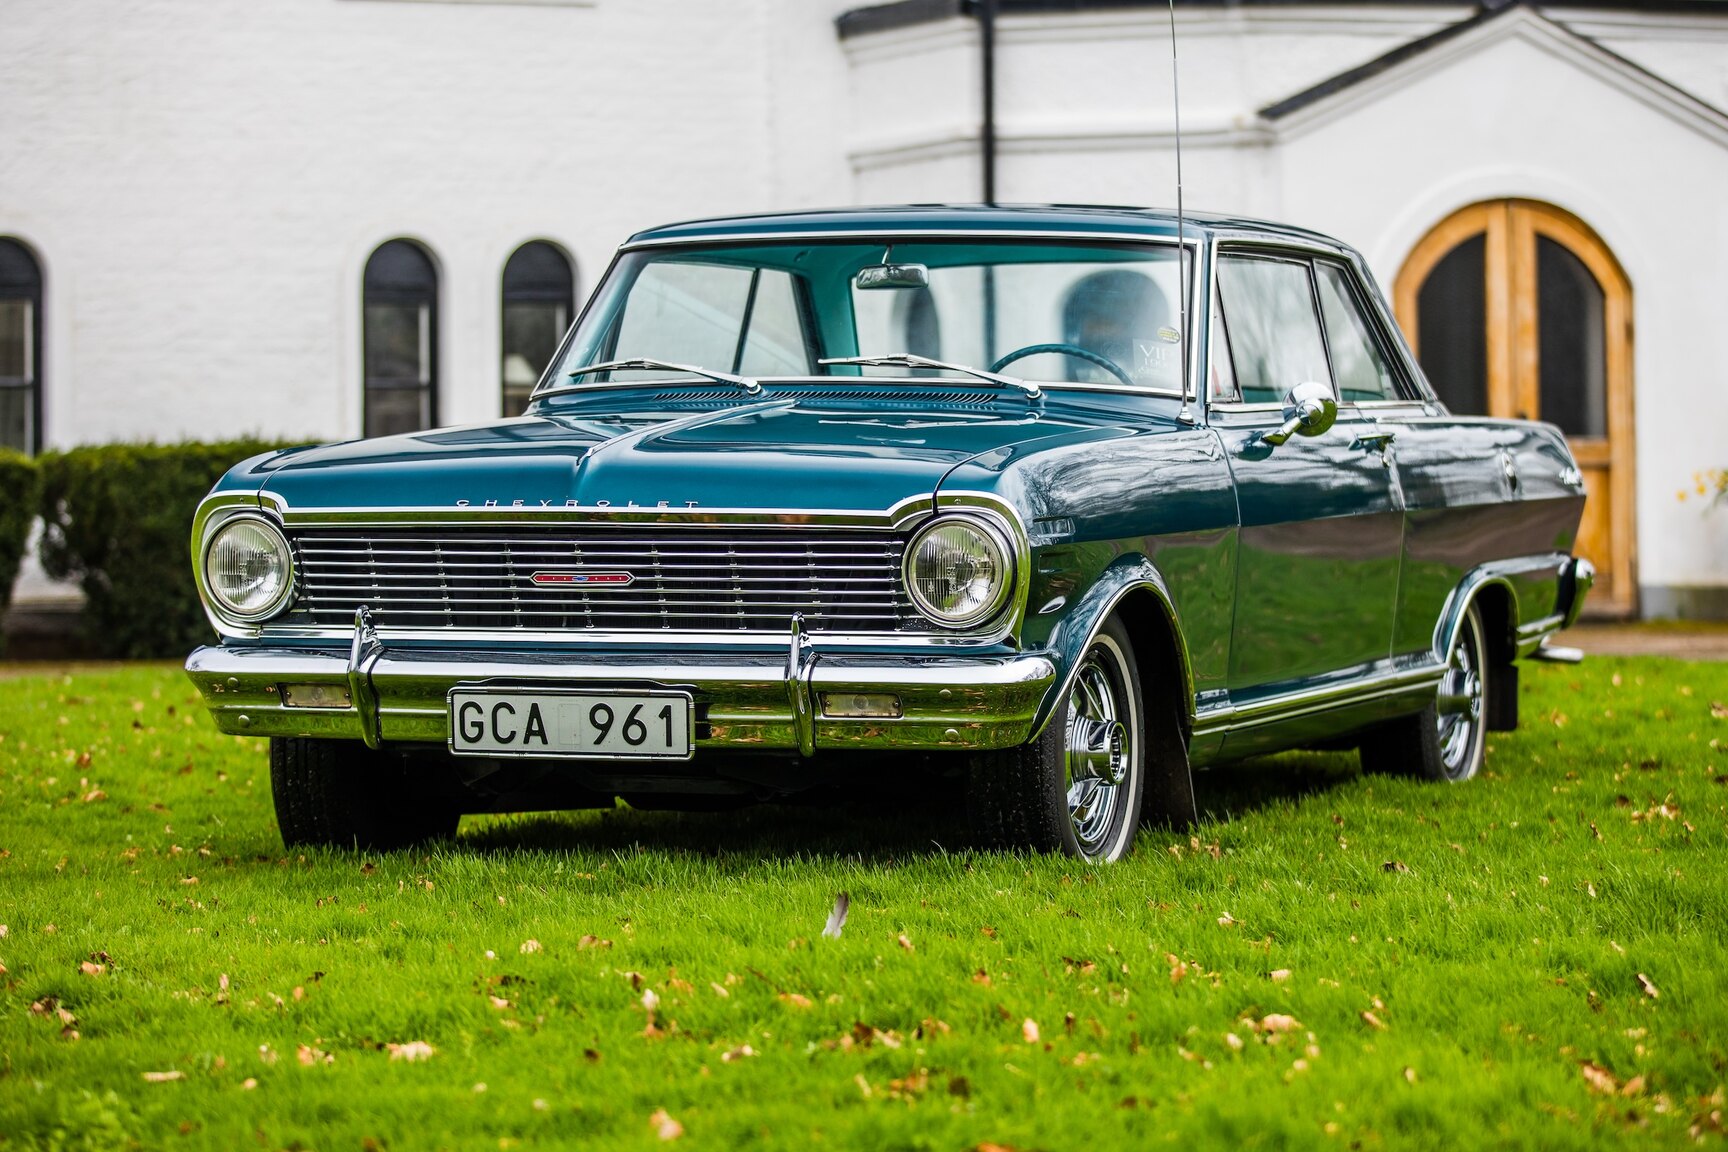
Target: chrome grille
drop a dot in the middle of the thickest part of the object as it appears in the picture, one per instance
(698, 579)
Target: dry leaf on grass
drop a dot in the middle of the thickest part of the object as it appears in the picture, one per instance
(592, 942)
(905, 941)
(91, 968)
(529, 946)
(739, 1053)
(837, 918)
(1278, 1022)
(1280, 975)
(795, 999)
(664, 1126)
(1029, 1030)
(1373, 1021)
(164, 1077)
(1649, 988)
(308, 1056)
(1599, 1078)
(1395, 866)
(411, 1051)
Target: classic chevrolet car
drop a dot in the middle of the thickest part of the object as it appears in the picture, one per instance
(1050, 504)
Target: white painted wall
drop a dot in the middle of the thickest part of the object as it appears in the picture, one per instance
(204, 179)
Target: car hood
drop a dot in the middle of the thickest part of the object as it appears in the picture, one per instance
(773, 455)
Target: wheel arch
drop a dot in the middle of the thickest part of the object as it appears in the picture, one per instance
(1134, 589)
(1497, 595)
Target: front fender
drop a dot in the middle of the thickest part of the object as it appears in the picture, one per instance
(1071, 637)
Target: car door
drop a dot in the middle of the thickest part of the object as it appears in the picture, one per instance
(1321, 516)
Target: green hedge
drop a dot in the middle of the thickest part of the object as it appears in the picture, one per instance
(118, 519)
(20, 486)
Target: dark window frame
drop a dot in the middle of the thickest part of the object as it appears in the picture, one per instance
(564, 294)
(32, 290)
(370, 295)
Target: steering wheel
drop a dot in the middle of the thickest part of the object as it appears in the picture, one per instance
(1073, 350)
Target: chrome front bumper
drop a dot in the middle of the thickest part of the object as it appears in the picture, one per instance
(385, 695)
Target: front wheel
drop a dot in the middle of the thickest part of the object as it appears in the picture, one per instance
(1077, 788)
(341, 794)
(1448, 740)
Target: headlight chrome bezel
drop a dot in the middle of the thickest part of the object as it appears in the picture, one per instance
(1006, 560)
(218, 605)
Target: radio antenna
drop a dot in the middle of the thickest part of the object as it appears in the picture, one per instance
(1183, 276)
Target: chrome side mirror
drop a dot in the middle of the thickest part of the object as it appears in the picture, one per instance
(1309, 409)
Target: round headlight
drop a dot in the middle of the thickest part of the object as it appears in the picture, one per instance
(247, 569)
(958, 572)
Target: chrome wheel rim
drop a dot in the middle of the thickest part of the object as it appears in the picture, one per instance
(1099, 752)
(1460, 705)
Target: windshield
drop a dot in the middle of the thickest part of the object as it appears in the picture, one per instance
(776, 309)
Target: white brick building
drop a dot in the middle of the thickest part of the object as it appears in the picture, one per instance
(192, 193)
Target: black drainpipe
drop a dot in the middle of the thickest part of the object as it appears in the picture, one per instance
(986, 13)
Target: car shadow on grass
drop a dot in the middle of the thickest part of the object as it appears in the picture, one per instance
(873, 832)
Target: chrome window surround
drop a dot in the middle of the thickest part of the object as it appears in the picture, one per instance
(906, 515)
(1391, 337)
(1195, 246)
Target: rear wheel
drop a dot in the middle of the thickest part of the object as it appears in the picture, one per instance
(1448, 740)
(339, 793)
(1077, 788)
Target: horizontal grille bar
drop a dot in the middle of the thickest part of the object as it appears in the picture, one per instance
(744, 579)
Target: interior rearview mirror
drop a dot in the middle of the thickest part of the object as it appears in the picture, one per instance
(893, 276)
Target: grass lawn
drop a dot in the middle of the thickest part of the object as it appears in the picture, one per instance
(1535, 959)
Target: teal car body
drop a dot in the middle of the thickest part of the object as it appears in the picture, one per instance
(1277, 589)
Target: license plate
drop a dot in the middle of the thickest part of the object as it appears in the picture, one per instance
(527, 722)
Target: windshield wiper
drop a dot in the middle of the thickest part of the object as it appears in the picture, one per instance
(643, 364)
(912, 360)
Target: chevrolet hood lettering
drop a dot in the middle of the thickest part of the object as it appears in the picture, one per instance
(771, 456)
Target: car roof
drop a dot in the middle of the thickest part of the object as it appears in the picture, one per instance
(1086, 219)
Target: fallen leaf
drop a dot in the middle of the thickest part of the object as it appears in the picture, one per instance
(308, 1056)
(1279, 1023)
(1633, 1087)
(94, 795)
(1719, 710)
(905, 942)
(1409, 1074)
(411, 1051)
(500, 1003)
(529, 946)
(837, 918)
(1395, 866)
(650, 999)
(739, 1053)
(635, 979)
(664, 1126)
(1233, 1041)
(592, 942)
(1029, 1030)
(164, 1077)
(1226, 921)
(90, 968)
(1373, 1021)
(719, 990)
(1649, 988)
(249, 1083)
(1280, 975)
(795, 999)
(1599, 1078)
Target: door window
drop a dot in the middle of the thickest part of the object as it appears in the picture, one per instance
(1274, 330)
(1362, 370)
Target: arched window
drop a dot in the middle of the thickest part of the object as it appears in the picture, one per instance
(20, 348)
(539, 295)
(400, 339)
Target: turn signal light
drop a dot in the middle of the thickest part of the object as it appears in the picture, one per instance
(860, 705)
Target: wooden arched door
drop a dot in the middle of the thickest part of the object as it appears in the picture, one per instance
(1516, 308)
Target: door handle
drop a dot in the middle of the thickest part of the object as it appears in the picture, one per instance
(1376, 440)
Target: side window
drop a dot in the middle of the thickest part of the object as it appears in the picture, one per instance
(1221, 377)
(1274, 329)
(1363, 372)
